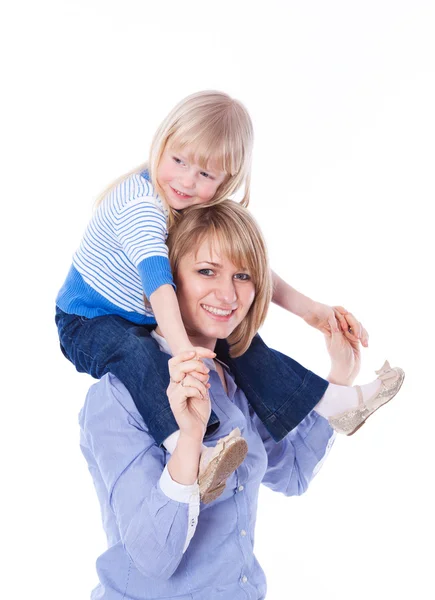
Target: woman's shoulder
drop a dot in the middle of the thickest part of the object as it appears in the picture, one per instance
(109, 399)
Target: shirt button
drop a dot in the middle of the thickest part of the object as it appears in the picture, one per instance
(241, 488)
(243, 533)
(244, 579)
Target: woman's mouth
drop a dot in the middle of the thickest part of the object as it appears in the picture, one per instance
(220, 314)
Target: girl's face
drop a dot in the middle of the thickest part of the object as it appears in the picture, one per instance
(214, 294)
(185, 183)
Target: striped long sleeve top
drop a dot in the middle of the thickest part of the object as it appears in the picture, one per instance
(122, 255)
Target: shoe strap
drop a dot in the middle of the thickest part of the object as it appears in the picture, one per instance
(361, 403)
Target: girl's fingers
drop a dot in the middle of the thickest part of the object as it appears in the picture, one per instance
(204, 352)
(339, 312)
(354, 327)
(177, 372)
(183, 356)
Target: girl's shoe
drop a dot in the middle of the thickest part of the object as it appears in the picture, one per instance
(351, 420)
(218, 463)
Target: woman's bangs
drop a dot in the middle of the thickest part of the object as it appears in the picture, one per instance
(237, 248)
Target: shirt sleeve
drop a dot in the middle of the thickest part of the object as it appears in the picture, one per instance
(295, 460)
(141, 228)
(156, 516)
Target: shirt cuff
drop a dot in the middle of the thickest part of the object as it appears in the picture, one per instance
(154, 272)
(189, 494)
(178, 491)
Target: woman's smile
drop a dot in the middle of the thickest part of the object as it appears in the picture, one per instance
(214, 294)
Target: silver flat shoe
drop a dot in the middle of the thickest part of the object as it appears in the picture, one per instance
(350, 421)
(218, 463)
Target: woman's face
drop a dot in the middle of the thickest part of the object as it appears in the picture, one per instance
(214, 294)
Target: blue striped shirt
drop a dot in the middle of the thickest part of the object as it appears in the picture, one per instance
(123, 254)
(150, 520)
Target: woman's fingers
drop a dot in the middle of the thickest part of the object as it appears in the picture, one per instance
(191, 382)
(364, 337)
(179, 368)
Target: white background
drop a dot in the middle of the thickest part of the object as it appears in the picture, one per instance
(342, 96)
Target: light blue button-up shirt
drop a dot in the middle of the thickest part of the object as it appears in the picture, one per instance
(158, 545)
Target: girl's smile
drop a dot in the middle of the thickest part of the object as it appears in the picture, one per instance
(184, 182)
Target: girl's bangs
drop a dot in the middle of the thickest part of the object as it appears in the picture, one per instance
(209, 147)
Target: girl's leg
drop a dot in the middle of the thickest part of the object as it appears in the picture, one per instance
(111, 344)
(280, 390)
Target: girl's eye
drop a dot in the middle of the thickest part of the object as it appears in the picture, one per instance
(207, 272)
(206, 175)
(242, 276)
(177, 160)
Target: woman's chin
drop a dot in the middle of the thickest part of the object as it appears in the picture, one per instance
(218, 331)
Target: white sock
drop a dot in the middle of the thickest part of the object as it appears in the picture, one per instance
(340, 398)
(170, 442)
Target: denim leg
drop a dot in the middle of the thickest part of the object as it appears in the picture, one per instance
(280, 390)
(111, 344)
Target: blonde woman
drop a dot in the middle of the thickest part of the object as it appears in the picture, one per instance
(162, 543)
(200, 155)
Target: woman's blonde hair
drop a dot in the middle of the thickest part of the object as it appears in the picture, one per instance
(240, 239)
(215, 127)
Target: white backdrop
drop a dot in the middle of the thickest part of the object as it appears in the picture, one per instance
(342, 96)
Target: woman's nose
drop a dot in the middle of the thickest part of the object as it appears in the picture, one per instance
(226, 292)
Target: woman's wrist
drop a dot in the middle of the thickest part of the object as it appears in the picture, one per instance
(184, 462)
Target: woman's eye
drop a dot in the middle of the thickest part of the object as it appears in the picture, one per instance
(242, 276)
(207, 272)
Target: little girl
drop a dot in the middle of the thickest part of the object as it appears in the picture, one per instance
(120, 285)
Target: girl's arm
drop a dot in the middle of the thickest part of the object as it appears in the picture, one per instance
(167, 313)
(318, 315)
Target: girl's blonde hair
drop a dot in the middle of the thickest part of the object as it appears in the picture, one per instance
(214, 127)
(240, 239)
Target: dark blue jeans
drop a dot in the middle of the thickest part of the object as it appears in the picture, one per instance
(280, 390)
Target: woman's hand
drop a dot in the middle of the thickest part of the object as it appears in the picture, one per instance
(188, 396)
(324, 317)
(345, 353)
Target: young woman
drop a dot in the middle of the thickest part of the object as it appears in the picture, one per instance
(162, 542)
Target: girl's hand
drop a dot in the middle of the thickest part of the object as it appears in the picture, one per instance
(345, 353)
(325, 318)
(200, 371)
(188, 396)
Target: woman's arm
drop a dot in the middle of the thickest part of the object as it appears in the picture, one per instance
(295, 460)
(156, 515)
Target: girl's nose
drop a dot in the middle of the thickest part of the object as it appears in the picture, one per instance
(187, 180)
